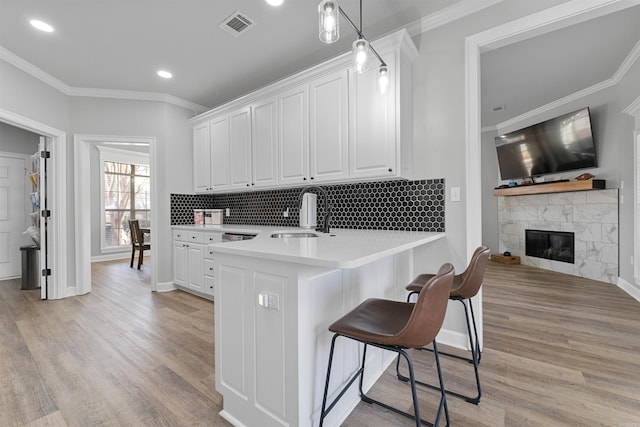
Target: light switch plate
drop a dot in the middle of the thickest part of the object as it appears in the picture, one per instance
(455, 194)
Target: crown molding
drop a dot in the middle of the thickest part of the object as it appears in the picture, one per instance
(13, 59)
(617, 77)
(633, 109)
(448, 14)
(136, 96)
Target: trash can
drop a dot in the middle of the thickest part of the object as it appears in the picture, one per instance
(30, 276)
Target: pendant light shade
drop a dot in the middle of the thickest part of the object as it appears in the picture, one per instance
(361, 55)
(329, 13)
(383, 79)
(328, 20)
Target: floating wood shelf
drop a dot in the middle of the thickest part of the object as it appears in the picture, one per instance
(503, 259)
(551, 187)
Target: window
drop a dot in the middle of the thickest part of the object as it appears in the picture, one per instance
(125, 194)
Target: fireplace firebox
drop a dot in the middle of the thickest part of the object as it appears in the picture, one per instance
(553, 245)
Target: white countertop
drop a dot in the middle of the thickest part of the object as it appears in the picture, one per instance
(342, 248)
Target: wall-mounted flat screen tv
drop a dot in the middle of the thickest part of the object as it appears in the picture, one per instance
(564, 143)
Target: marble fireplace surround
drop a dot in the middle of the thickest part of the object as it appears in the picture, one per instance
(591, 215)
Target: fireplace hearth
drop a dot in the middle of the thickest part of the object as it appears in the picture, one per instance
(553, 245)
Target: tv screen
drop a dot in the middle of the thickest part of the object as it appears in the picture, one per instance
(561, 144)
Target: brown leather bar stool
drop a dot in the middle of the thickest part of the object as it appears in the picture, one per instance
(396, 326)
(465, 286)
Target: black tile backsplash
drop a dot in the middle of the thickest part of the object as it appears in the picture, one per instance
(388, 205)
(182, 206)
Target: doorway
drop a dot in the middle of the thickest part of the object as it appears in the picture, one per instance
(57, 285)
(13, 211)
(83, 145)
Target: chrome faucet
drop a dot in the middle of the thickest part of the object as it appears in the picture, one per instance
(327, 206)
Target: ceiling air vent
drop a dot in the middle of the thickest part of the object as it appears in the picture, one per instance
(237, 24)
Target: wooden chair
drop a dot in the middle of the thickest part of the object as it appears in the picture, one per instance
(137, 242)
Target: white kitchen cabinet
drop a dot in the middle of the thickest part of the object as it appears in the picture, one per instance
(219, 128)
(381, 125)
(240, 148)
(193, 260)
(180, 272)
(293, 139)
(264, 142)
(372, 145)
(202, 158)
(328, 126)
(188, 259)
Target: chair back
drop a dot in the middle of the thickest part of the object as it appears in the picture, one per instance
(136, 235)
(428, 312)
(474, 274)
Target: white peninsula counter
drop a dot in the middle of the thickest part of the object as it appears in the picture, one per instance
(274, 300)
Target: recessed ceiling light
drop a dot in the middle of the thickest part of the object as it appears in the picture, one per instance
(42, 26)
(275, 2)
(165, 74)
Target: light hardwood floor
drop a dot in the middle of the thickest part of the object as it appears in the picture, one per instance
(559, 351)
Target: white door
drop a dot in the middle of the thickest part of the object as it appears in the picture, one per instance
(328, 142)
(220, 152)
(12, 215)
(264, 143)
(201, 158)
(240, 148)
(293, 139)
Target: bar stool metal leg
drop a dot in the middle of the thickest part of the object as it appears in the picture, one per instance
(475, 357)
(442, 406)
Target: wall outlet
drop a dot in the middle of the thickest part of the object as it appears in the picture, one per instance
(267, 300)
(227, 212)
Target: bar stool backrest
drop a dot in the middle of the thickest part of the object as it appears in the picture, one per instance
(474, 274)
(429, 310)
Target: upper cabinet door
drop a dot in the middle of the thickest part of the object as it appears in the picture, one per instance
(201, 158)
(328, 142)
(293, 138)
(373, 148)
(264, 127)
(240, 148)
(220, 153)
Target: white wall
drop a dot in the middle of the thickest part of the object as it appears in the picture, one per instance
(168, 124)
(16, 140)
(627, 91)
(24, 95)
(439, 125)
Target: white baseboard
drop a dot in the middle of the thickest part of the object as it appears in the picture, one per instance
(165, 287)
(111, 257)
(10, 277)
(453, 339)
(629, 288)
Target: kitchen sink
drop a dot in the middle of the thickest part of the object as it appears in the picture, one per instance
(289, 234)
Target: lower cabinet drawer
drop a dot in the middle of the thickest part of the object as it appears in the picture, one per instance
(208, 267)
(208, 285)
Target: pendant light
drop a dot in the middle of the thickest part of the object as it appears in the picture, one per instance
(329, 12)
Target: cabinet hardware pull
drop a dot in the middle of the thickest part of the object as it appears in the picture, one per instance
(390, 170)
(311, 177)
(304, 179)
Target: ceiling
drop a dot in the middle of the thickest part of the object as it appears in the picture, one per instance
(120, 44)
(532, 73)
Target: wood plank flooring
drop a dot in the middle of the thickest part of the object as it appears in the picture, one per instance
(559, 351)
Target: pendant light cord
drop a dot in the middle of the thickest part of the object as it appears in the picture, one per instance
(359, 32)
